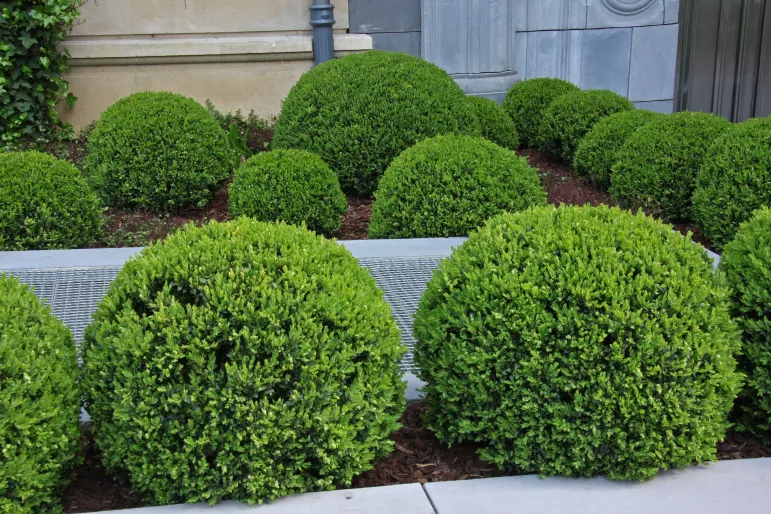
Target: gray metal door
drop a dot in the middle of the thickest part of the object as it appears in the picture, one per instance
(724, 58)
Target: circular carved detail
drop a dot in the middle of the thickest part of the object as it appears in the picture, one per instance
(628, 7)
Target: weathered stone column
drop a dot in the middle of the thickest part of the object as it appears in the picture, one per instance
(475, 41)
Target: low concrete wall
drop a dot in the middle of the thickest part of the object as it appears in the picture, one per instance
(240, 54)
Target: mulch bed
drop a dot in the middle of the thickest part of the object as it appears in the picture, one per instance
(418, 457)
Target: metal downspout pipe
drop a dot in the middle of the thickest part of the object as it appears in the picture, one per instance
(322, 19)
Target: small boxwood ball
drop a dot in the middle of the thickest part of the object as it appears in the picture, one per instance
(578, 341)
(570, 117)
(450, 185)
(294, 186)
(242, 360)
(746, 264)
(734, 180)
(359, 112)
(39, 403)
(497, 126)
(45, 204)
(656, 168)
(160, 151)
(527, 101)
(596, 154)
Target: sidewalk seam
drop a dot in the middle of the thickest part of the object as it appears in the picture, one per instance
(430, 500)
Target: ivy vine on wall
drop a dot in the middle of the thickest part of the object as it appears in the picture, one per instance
(32, 67)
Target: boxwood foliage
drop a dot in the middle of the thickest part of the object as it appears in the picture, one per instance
(734, 180)
(596, 154)
(578, 341)
(450, 185)
(497, 125)
(526, 102)
(359, 112)
(656, 168)
(39, 403)
(158, 150)
(746, 264)
(571, 116)
(242, 360)
(45, 203)
(294, 186)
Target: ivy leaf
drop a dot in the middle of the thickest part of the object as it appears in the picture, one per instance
(70, 100)
(27, 42)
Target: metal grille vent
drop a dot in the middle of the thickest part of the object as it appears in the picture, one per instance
(74, 293)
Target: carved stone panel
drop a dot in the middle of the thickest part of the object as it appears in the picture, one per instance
(624, 13)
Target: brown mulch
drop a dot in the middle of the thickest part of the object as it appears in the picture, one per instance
(356, 219)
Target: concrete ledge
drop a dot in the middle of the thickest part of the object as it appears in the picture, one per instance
(90, 51)
(740, 486)
(396, 499)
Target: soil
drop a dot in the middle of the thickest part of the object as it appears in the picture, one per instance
(356, 219)
(418, 457)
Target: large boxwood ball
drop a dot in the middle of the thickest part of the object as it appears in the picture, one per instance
(45, 204)
(596, 154)
(526, 102)
(359, 112)
(294, 186)
(450, 185)
(746, 264)
(578, 341)
(571, 116)
(242, 360)
(160, 151)
(656, 168)
(734, 180)
(39, 403)
(496, 124)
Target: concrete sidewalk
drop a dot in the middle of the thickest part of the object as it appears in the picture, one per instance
(738, 487)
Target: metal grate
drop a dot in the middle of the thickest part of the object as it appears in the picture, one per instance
(73, 293)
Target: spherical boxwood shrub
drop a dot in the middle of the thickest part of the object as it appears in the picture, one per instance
(596, 154)
(578, 341)
(497, 126)
(359, 112)
(656, 168)
(746, 264)
(158, 150)
(734, 180)
(448, 186)
(243, 360)
(294, 186)
(526, 102)
(570, 117)
(39, 403)
(45, 203)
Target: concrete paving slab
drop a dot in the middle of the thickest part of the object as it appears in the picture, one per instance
(741, 486)
(397, 499)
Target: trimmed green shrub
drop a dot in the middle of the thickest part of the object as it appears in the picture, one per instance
(656, 168)
(450, 185)
(734, 180)
(45, 203)
(497, 126)
(39, 403)
(571, 116)
(359, 112)
(578, 341)
(746, 264)
(294, 186)
(242, 360)
(596, 154)
(160, 151)
(527, 101)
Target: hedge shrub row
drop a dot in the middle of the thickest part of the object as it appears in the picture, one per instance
(580, 342)
(39, 403)
(656, 169)
(242, 360)
(527, 101)
(746, 264)
(360, 112)
(449, 186)
(497, 125)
